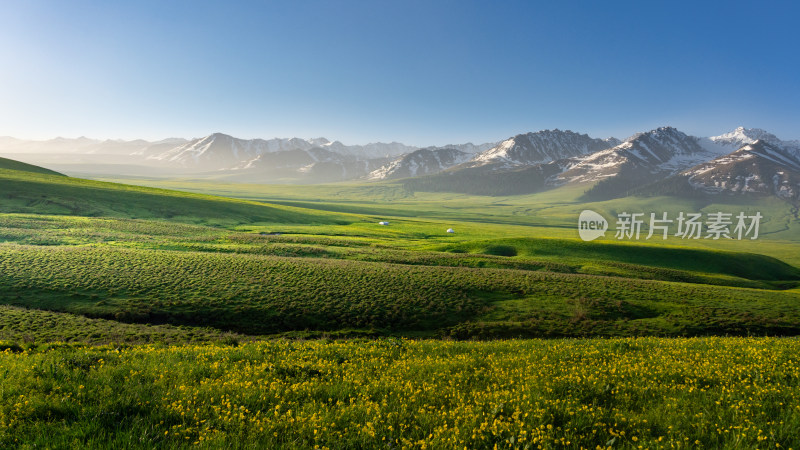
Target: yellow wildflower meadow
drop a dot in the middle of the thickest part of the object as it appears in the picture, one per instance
(629, 393)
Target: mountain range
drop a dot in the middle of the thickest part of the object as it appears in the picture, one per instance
(660, 161)
(663, 160)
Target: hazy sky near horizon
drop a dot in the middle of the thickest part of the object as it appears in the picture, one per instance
(418, 72)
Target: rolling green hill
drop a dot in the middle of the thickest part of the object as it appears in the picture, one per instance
(10, 164)
(142, 255)
(144, 271)
(31, 328)
(551, 213)
(50, 193)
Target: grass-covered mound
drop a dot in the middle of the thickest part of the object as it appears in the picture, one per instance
(43, 193)
(29, 328)
(645, 261)
(10, 164)
(143, 271)
(259, 294)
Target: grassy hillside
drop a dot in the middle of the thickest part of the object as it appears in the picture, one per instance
(555, 208)
(25, 192)
(675, 260)
(513, 268)
(140, 271)
(10, 164)
(88, 262)
(38, 329)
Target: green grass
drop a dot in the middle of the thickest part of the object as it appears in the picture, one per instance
(652, 262)
(10, 164)
(89, 262)
(514, 267)
(30, 328)
(257, 284)
(727, 393)
(24, 192)
(547, 214)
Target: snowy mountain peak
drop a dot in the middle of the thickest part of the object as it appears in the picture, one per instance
(759, 168)
(320, 141)
(658, 133)
(741, 136)
(420, 162)
(647, 154)
(539, 147)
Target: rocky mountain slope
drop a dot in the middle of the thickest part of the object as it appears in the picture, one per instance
(420, 162)
(539, 147)
(739, 161)
(761, 168)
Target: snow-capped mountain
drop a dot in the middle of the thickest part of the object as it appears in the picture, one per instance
(82, 145)
(315, 164)
(743, 160)
(220, 151)
(655, 153)
(742, 136)
(539, 147)
(374, 150)
(421, 162)
(761, 167)
(428, 161)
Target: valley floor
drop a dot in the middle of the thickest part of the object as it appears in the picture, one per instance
(134, 317)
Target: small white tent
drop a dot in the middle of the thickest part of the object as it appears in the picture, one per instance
(450, 230)
(383, 223)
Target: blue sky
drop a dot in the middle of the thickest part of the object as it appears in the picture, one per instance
(418, 72)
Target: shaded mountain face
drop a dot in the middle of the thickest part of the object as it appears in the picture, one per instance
(521, 164)
(421, 162)
(218, 155)
(639, 159)
(85, 146)
(645, 159)
(756, 167)
(317, 164)
(220, 151)
(759, 168)
(488, 179)
(656, 153)
(540, 147)
(669, 155)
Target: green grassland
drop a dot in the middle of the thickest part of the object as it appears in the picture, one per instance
(139, 317)
(30, 192)
(727, 393)
(10, 164)
(514, 267)
(22, 328)
(551, 214)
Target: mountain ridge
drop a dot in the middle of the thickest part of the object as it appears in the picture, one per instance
(643, 159)
(552, 157)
